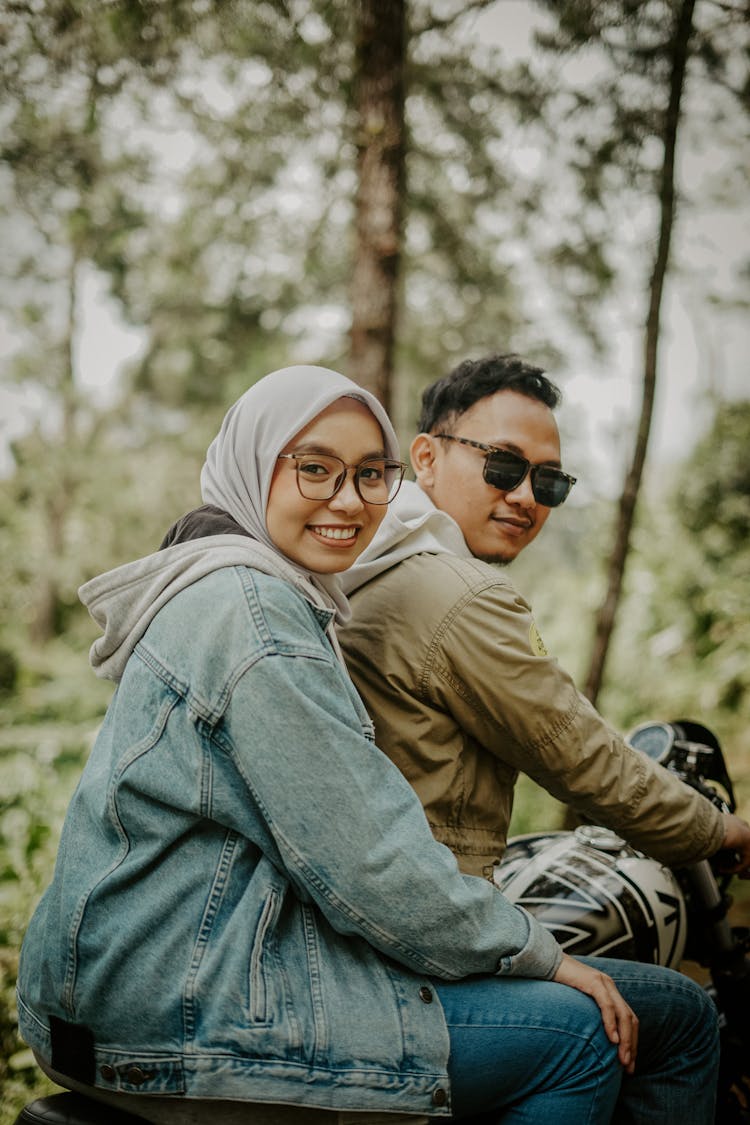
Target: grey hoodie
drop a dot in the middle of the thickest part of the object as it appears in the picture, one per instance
(412, 526)
(125, 600)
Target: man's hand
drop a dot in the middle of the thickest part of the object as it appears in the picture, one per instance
(620, 1021)
(737, 840)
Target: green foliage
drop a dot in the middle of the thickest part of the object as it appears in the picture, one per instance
(46, 731)
(534, 810)
(688, 615)
(713, 491)
(8, 672)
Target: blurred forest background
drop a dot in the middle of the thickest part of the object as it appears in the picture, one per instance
(195, 192)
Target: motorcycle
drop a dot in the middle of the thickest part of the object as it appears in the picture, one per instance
(599, 896)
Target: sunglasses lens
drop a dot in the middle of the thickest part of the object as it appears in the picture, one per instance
(504, 470)
(550, 486)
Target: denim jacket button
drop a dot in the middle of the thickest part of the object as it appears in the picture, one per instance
(135, 1076)
(425, 994)
(107, 1072)
(439, 1096)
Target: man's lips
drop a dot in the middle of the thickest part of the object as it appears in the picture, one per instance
(511, 525)
(335, 534)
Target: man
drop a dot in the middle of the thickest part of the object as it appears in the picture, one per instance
(448, 658)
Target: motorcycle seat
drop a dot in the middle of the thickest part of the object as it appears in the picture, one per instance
(77, 1109)
(74, 1109)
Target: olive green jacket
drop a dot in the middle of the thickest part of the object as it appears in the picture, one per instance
(448, 660)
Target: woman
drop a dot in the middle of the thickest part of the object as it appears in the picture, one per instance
(248, 903)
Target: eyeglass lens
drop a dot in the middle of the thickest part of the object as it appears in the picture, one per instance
(506, 470)
(376, 480)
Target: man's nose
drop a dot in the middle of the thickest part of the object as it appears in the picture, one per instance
(522, 494)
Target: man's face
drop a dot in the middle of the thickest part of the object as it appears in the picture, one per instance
(496, 525)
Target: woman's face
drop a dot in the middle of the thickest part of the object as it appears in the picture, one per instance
(326, 536)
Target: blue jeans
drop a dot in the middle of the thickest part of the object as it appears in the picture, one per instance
(530, 1052)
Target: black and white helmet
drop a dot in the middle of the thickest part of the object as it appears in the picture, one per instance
(596, 894)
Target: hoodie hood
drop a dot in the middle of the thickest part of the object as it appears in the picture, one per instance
(412, 526)
(124, 601)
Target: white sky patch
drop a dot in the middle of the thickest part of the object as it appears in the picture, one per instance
(20, 408)
(104, 342)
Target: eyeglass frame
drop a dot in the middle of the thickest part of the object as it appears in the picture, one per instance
(488, 450)
(343, 476)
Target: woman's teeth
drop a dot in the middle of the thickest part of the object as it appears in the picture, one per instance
(335, 532)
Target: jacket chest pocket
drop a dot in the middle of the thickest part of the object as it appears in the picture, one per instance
(262, 961)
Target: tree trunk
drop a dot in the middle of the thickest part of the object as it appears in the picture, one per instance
(379, 100)
(58, 501)
(607, 611)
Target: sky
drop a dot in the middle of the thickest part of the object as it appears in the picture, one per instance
(698, 350)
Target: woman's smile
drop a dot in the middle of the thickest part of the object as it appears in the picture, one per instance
(343, 535)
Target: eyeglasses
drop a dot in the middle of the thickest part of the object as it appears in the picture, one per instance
(505, 470)
(376, 479)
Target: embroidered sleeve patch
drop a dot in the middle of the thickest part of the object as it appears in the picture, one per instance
(536, 642)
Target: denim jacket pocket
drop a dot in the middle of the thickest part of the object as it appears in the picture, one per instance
(260, 971)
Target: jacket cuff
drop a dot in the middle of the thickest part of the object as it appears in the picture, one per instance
(540, 957)
(713, 827)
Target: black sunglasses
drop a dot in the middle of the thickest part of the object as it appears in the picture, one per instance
(505, 470)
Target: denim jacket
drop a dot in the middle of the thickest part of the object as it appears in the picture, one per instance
(248, 902)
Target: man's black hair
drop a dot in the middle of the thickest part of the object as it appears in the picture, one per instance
(445, 400)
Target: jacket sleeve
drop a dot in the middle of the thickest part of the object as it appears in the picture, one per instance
(352, 835)
(492, 672)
